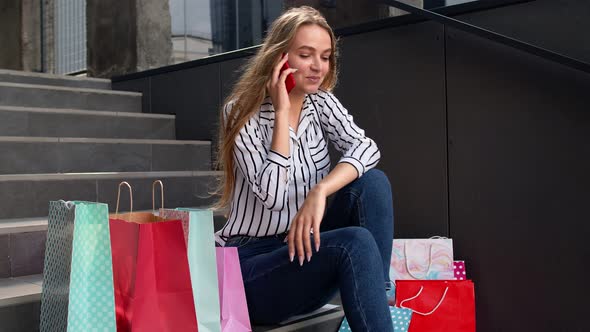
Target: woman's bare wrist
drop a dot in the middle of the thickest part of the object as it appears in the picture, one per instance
(281, 113)
(320, 189)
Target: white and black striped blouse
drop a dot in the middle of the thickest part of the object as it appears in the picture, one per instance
(270, 187)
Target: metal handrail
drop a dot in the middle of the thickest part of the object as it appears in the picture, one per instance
(493, 36)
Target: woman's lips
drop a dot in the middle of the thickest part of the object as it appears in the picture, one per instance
(313, 79)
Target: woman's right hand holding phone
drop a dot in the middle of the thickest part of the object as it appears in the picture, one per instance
(277, 88)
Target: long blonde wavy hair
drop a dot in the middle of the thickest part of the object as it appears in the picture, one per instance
(250, 90)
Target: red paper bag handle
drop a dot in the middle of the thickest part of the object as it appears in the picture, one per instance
(154, 193)
(401, 304)
(119, 196)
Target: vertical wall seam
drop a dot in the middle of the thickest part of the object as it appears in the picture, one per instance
(447, 133)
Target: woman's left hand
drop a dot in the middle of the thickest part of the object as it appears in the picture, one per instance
(309, 217)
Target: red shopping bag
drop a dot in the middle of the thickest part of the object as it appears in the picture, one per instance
(438, 305)
(151, 275)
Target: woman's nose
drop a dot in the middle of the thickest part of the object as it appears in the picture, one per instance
(316, 65)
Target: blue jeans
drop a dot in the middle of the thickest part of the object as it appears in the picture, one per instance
(354, 256)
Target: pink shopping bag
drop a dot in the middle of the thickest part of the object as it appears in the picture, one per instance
(232, 296)
(459, 270)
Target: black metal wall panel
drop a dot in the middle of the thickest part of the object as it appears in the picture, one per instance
(229, 72)
(392, 82)
(519, 180)
(560, 26)
(193, 95)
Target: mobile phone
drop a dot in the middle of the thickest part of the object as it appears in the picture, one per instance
(290, 81)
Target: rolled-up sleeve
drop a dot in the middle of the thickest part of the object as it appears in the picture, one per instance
(266, 171)
(357, 149)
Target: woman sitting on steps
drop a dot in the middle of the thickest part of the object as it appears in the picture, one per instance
(294, 254)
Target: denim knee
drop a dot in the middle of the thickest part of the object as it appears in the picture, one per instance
(358, 251)
(376, 179)
(355, 239)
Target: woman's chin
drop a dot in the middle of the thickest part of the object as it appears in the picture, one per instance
(306, 88)
(311, 88)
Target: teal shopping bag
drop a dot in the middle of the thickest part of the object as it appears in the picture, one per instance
(56, 269)
(400, 317)
(199, 235)
(78, 276)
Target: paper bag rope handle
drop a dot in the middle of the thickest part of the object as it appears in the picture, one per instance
(119, 196)
(401, 304)
(408, 266)
(69, 204)
(154, 194)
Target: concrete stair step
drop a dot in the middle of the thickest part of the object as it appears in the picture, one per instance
(30, 155)
(23, 232)
(28, 195)
(22, 244)
(22, 225)
(28, 225)
(20, 300)
(55, 122)
(33, 95)
(13, 76)
(19, 290)
(20, 303)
